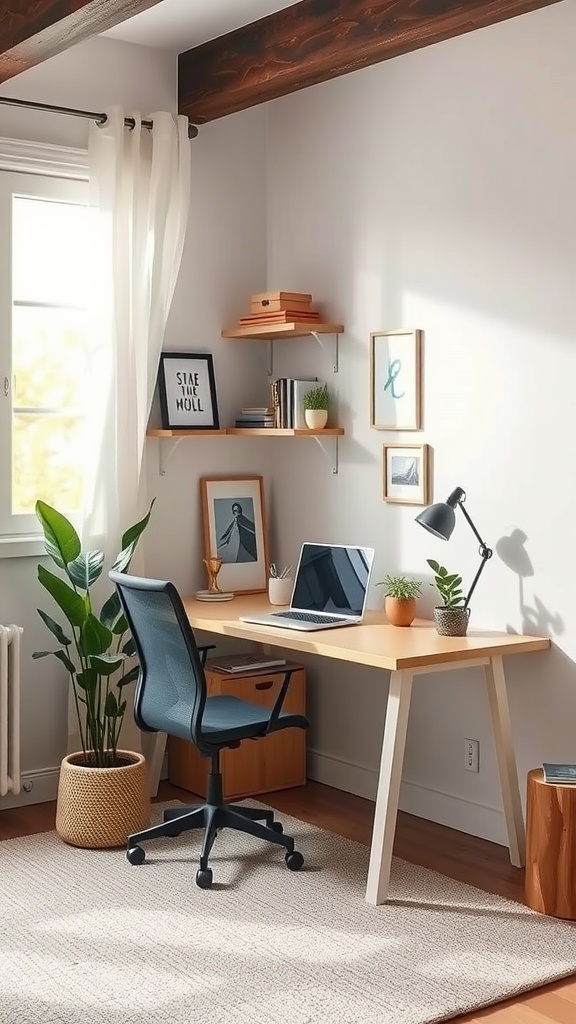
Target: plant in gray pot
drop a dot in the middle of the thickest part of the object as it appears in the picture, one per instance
(452, 616)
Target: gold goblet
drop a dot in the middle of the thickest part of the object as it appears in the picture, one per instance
(213, 566)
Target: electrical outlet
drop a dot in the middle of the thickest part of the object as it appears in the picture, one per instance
(472, 755)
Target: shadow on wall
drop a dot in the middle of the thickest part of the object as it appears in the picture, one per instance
(537, 620)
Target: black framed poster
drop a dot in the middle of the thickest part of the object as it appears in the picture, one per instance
(188, 391)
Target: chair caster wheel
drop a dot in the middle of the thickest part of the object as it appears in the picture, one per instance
(204, 878)
(135, 855)
(294, 860)
(276, 826)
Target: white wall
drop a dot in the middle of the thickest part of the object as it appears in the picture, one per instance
(436, 191)
(224, 261)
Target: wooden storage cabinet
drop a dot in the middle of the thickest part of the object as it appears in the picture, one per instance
(275, 762)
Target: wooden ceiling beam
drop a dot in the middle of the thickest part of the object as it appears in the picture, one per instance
(30, 32)
(317, 40)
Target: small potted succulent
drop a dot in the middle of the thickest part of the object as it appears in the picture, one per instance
(316, 407)
(451, 617)
(400, 596)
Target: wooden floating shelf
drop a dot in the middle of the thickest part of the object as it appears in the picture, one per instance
(253, 431)
(295, 330)
(159, 432)
(286, 431)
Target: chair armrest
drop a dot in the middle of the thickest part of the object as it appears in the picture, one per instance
(203, 652)
(280, 699)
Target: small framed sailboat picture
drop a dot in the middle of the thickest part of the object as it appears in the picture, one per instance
(405, 473)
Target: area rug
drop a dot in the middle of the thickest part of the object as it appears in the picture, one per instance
(86, 938)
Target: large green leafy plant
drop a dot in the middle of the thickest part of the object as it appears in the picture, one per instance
(94, 648)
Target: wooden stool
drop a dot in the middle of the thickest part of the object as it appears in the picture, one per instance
(550, 881)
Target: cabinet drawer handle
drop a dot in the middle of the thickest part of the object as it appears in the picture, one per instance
(264, 686)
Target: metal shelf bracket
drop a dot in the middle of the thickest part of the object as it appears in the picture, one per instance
(322, 442)
(165, 451)
(336, 337)
(319, 339)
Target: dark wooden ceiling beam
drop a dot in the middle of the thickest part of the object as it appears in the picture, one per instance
(33, 30)
(316, 40)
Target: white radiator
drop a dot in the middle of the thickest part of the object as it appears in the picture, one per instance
(9, 709)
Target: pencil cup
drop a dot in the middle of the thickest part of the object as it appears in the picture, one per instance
(280, 590)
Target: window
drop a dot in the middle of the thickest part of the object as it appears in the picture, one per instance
(44, 287)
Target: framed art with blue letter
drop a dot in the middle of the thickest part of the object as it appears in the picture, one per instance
(235, 531)
(395, 380)
(187, 391)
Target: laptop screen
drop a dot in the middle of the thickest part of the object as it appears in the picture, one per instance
(332, 578)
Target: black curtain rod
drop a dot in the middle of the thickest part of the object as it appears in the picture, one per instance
(99, 118)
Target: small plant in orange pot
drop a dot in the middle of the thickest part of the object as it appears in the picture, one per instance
(400, 596)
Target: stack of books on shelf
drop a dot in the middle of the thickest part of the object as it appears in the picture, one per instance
(564, 773)
(256, 416)
(280, 308)
(287, 401)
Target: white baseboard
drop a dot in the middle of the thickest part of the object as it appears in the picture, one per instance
(444, 808)
(43, 783)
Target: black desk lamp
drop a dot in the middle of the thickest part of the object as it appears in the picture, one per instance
(440, 519)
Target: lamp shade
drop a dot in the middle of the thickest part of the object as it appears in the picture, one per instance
(438, 519)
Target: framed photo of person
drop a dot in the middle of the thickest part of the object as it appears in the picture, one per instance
(187, 391)
(235, 531)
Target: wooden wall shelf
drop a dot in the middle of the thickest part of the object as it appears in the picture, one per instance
(285, 431)
(160, 432)
(273, 331)
(179, 435)
(254, 431)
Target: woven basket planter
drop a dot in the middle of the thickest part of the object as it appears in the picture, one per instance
(451, 621)
(99, 808)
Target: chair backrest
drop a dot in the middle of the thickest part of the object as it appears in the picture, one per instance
(171, 689)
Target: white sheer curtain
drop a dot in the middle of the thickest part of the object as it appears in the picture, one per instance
(140, 186)
(140, 182)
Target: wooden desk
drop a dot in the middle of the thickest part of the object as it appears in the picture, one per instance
(405, 652)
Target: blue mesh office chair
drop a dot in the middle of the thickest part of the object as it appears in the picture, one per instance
(171, 697)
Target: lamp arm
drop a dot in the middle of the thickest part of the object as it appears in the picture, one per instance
(475, 532)
(485, 553)
(485, 558)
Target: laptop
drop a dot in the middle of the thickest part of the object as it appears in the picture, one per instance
(330, 589)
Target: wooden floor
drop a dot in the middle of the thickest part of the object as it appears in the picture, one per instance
(460, 856)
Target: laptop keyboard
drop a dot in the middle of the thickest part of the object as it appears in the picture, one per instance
(309, 617)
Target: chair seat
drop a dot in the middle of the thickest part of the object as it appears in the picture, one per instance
(228, 718)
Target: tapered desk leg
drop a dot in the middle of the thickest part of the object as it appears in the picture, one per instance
(389, 786)
(500, 714)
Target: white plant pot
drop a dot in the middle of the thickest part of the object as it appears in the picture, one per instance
(280, 590)
(316, 419)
